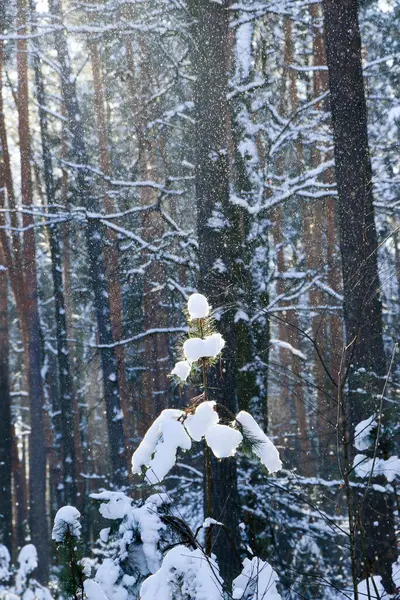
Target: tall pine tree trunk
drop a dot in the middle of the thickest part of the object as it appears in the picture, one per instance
(374, 526)
(217, 245)
(111, 255)
(155, 315)
(6, 527)
(293, 397)
(64, 373)
(37, 452)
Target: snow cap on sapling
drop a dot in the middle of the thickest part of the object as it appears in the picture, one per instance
(223, 440)
(213, 345)
(196, 348)
(198, 307)
(193, 349)
(197, 424)
(182, 370)
(66, 522)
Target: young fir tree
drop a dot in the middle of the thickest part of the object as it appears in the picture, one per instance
(66, 534)
(149, 551)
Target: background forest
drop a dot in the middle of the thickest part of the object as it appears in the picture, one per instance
(153, 148)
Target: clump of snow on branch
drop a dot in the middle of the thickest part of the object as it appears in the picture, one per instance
(261, 444)
(203, 418)
(198, 307)
(93, 590)
(182, 369)
(107, 576)
(184, 574)
(66, 522)
(223, 440)
(173, 429)
(209, 347)
(157, 451)
(257, 581)
(114, 505)
(287, 346)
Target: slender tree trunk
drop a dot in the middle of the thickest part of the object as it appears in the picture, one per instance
(94, 244)
(6, 527)
(252, 379)
(321, 224)
(155, 377)
(358, 243)
(37, 454)
(12, 251)
(64, 373)
(291, 385)
(20, 495)
(111, 255)
(216, 245)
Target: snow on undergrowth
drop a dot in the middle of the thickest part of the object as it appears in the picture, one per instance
(24, 586)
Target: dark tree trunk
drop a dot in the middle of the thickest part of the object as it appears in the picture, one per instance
(5, 414)
(358, 244)
(94, 234)
(64, 374)
(216, 245)
(37, 453)
(111, 251)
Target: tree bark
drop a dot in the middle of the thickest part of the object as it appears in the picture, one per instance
(6, 527)
(37, 453)
(155, 377)
(110, 252)
(217, 245)
(358, 244)
(69, 474)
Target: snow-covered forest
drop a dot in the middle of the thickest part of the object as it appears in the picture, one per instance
(199, 299)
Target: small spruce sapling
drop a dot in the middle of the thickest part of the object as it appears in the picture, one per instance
(66, 533)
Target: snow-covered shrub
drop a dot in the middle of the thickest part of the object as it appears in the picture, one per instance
(5, 563)
(184, 574)
(257, 581)
(25, 587)
(131, 548)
